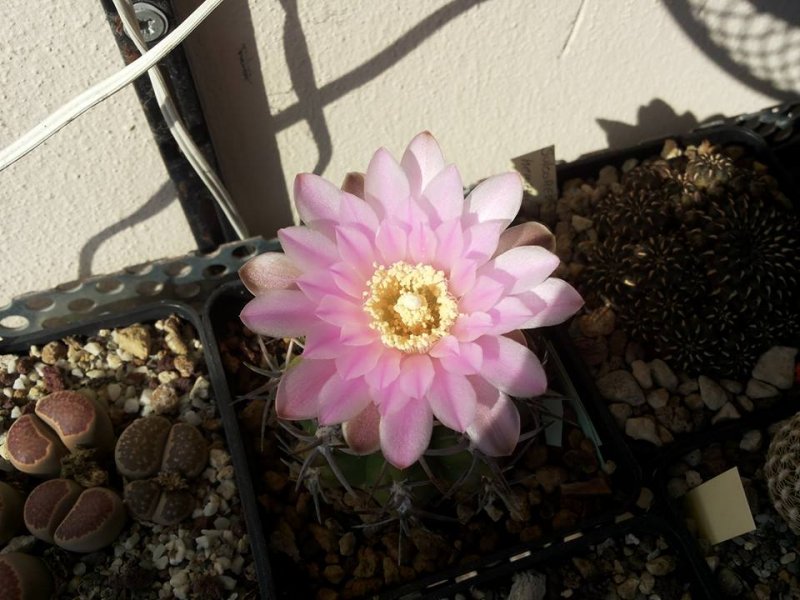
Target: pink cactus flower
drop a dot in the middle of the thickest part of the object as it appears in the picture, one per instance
(410, 298)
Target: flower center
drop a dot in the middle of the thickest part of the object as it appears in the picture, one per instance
(410, 306)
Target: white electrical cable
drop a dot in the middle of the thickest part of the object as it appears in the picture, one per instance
(109, 86)
(172, 117)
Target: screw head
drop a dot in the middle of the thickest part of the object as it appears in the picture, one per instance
(153, 23)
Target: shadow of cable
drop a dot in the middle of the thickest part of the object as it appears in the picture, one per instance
(757, 42)
(653, 120)
(301, 72)
(365, 72)
(165, 196)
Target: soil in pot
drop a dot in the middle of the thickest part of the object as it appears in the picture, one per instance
(337, 556)
(690, 265)
(141, 369)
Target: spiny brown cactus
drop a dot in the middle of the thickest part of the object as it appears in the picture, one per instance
(782, 471)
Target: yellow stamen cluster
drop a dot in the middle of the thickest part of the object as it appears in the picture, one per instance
(410, 306)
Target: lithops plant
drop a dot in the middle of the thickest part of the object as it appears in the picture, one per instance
(24, 577)
(60, 512)
(782, 471)
(158, 458)
(62, 422)
(10, 512)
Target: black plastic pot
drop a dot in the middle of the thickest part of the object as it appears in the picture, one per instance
(223, 308)
(587, 168)
(723, 443)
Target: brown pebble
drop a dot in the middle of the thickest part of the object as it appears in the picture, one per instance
(564, 519)
(53, 380)
(275, 481)
(347, 544)
(324, 537)
(52, 352)
(367, 563)
(327, 594)
(530, 534)
(333, 573)
(391, 572)
(598, 322)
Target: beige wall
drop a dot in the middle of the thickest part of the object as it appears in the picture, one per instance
(306, 85)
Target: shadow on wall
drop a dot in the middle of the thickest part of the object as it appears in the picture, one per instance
(755, 41)
(165, 196)
(313, 99)
(653, 120)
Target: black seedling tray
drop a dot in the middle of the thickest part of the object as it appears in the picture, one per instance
(587, 168)
(108, 317)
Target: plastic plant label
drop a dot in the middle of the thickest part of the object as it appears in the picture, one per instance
(538, 170)
(719, 507)
(554, 432)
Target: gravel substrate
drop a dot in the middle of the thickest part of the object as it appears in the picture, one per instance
(138, 370)
(651, 399)
(337, 557)
(758, 565)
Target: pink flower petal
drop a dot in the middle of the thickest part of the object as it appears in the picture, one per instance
(462, 277)
(421, 243)
(341, 400)
(511, 367)
(453, 400)
(482, 239)
(269, 271)
(463, 358)
(318, 284)
(445, 194)
(497, 198)
(468, 328)
(278, 313)
(416, 375)
(356, 362)
(317, 201)
(322, 341)
(526, 234)
(515, 312)
(386, 370)
(356, 211)
(562, 301)
(349, 280)
(484, 295)
(308, 249)
(338, 311)
(362, 432)
(450, 244)
(298, 390)
(496, 427)
(385, 185)
(356, 248)
(523, 268)
(354, 184)
(392, 241)
(406, 433)
(422, 161)
(358, 334)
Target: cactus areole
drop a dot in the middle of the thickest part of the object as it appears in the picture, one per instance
(409, 298)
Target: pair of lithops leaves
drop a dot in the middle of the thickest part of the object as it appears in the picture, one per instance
(158, 458)
(24, 577)
(60, 511)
